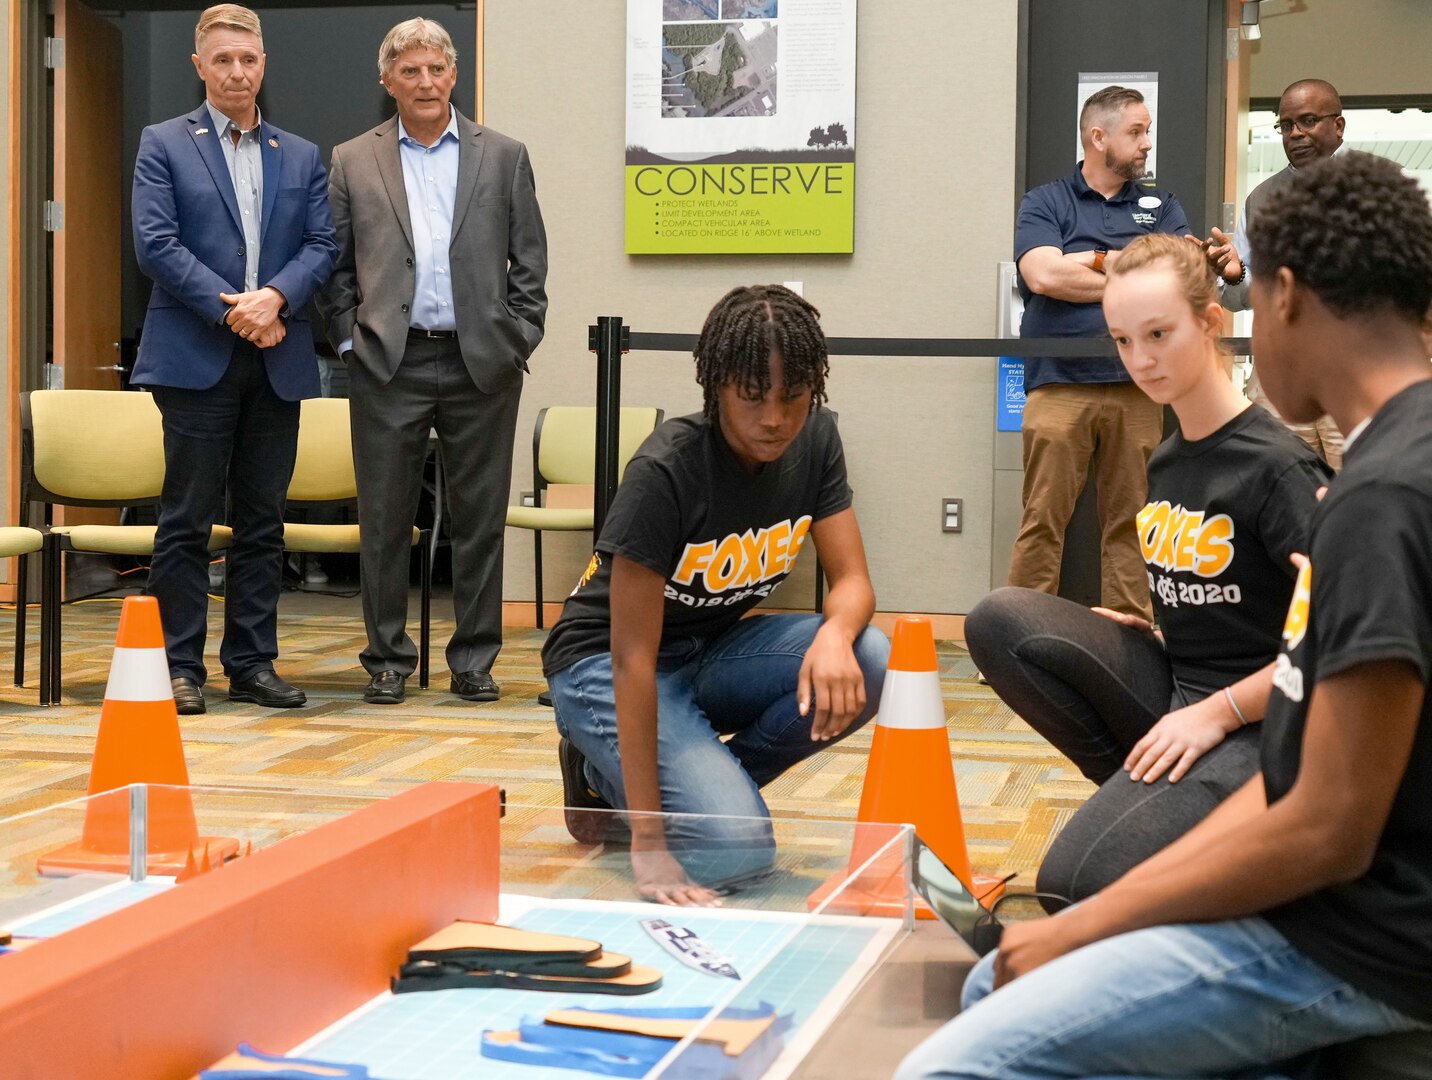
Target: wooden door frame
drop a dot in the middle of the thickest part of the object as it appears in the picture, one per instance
(27, 299)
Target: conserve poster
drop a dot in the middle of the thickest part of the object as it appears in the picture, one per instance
(740, 126)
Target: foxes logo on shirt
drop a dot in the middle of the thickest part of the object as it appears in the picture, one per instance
(1173, 538)
(1295, 627)
(1286, 677)
(589, 573)
(741, 560)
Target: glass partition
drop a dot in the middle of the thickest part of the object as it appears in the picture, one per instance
(802, 912)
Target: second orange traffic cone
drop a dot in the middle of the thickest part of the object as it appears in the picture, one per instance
(138, 743)
(910, 777)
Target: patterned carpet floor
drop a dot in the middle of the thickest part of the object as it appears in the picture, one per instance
(1015, 790)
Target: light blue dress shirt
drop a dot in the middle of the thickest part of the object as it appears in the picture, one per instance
(430, 179)
(246, 170)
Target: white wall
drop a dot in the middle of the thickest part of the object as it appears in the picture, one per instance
(935, 203)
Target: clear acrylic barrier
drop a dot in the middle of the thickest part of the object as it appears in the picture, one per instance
(808, 909)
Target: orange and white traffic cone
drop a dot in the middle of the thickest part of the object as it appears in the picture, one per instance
(138, 743)
(909, 778)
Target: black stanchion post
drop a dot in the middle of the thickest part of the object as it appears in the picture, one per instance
(608, 339)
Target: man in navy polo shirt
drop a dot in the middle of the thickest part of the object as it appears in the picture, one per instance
(1084, 413)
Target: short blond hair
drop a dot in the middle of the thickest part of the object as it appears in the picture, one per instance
(1187, 261)
(227, 17)
(414, 34)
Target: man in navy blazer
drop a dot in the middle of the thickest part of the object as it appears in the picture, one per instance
(231, 222)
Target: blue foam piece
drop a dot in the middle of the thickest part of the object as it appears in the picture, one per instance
(297, 1069)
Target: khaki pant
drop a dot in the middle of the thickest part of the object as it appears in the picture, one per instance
(1322, 434)
(1071, 429)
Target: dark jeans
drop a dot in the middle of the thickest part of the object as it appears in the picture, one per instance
(240, 433)
(1093, 688)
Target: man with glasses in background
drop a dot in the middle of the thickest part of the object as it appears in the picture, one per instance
(1310, 121)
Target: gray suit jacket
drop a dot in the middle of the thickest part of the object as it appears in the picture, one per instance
(498, 254)
(1235, 297)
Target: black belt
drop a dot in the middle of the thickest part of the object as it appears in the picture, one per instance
(442, 335)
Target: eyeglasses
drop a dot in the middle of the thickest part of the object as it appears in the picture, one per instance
(1304, 123)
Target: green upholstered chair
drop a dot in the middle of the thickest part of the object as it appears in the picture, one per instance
(21, 542)
(101, 448)
(564, 453)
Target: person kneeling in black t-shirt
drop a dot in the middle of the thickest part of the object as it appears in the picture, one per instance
(1231, 496)
(1298, 915)
(651, 662)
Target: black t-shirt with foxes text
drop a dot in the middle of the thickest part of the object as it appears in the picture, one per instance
(1223, 514)
(1366, 597)
(722, 537)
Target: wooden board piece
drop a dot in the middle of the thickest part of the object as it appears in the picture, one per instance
(734, 1036)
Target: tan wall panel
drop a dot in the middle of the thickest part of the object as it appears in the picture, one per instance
(1367, 47)
(934, 214)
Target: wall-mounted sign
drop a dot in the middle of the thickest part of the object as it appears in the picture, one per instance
(1009, 399)
(740, 126)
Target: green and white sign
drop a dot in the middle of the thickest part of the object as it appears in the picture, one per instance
(740, 126)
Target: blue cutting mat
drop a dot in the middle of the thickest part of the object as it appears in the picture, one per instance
(792, 963)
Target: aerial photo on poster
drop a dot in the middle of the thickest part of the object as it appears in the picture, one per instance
(740, 126)
(718, 69)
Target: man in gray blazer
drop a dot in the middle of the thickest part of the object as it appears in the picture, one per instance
(437, 299)
(1310, 121)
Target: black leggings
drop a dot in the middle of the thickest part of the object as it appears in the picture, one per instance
(1093, 688)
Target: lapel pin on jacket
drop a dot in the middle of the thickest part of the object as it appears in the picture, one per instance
(201, 131)
(273, 143)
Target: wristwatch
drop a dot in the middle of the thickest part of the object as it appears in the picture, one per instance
(1099, 253)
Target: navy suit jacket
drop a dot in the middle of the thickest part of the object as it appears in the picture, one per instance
(188, 241)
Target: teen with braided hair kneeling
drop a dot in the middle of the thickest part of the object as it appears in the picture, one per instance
(651, 662)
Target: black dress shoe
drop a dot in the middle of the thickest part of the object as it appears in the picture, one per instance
(474, 686)
(267, 689)
(385, 688)
(188, 697)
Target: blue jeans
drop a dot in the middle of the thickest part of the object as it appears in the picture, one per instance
(1230, 999)
(742, 685)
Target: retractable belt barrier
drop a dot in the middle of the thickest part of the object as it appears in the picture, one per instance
(609, 337)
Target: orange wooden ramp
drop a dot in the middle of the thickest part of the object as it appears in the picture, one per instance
(274, 948)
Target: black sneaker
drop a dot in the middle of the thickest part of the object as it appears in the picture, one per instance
(580, 799)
